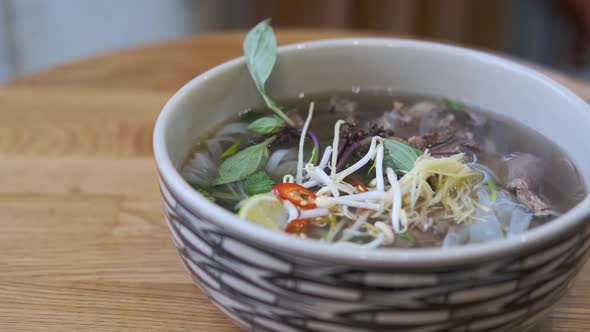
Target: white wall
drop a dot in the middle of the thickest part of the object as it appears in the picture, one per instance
(37, 34)
(6, 63)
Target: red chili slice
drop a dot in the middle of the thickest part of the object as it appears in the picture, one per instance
(296, 194)
(298, 226)
(358, 185)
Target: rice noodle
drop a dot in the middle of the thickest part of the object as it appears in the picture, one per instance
(484, 180)
(233, 128)
(214, 148)
(214, 145)
(240, 203)
(275, 159)
(299, 174)
(237, 190)
(200, 169)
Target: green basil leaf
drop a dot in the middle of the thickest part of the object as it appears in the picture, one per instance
(408, 237)
(231, 150)
(267, 125)
(399, 156)
(258, 183)
(260, 51)
(250, 116)
(453, 104)
(242, 164)
(204, 190)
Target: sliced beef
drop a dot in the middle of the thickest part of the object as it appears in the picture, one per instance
(420, 117)
(433, 236)
(396, 119)
(426, 141)
(441, 131)
(435, 121)
(450, 140)
(522, 173)
(426, 239)
(521, 170)
(533, 202)
(477, 119)
(420, 109)
(342, 105)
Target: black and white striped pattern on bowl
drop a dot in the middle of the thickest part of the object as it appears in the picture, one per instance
(273, 291)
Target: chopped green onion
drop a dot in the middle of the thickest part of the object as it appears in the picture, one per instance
(373, 166)
(492, 187)
(408, 237)
(231, 150)
(453, 104)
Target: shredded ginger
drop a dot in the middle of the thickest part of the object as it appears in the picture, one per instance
(445, 181)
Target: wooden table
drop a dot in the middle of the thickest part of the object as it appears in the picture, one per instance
(83, 244)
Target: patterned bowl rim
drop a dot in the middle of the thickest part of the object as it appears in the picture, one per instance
(416, 257)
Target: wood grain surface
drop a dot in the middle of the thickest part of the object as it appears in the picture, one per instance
(83, 244)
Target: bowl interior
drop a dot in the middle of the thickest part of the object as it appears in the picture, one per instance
(405, 66)
(413, 67)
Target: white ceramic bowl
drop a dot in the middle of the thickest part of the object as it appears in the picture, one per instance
(269, 281)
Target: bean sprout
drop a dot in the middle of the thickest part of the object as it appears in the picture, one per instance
(397, 199)
(379, 168)
(335, 147)
(299, 174)
(359, 164)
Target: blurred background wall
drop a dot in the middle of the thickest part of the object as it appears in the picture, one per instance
(37, 34)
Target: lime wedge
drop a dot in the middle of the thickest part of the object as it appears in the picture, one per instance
(265, 210)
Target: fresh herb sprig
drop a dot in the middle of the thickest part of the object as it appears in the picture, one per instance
(454, 105)
(231, 150)
(260, 51)
(258, 183)
(267, 125)
(244, 163)
(399, 156)
(408, 237)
